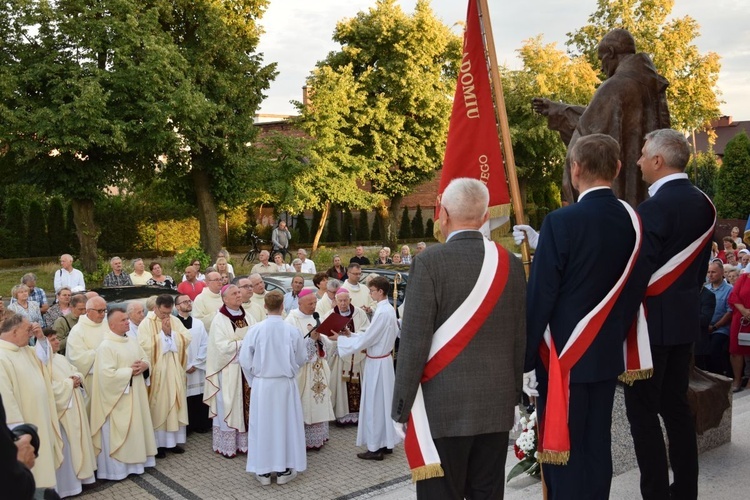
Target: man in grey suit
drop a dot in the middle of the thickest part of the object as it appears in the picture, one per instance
(464, 370)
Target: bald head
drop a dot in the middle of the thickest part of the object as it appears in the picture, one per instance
(96, 309)
(213, 281)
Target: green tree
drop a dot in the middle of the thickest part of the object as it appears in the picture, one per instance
(347, 227)
(302, 228)
(703, 169)
(36, 235)
(15, 224)
(71, 231)
(58, 243)
(333, 235)
(375, 235)
(417, 224)
(226, 79)
(404, 230)
(731, 199)
(429, 229)
(548, 72)
(404, 67)
(363, 226)
(692, 94)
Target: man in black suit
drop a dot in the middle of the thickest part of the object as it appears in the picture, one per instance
(16, 461)
(675, 217)
(584, 256)
(467, 390)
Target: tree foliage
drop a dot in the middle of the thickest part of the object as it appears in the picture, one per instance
(692, 94)
(36, 231)
(731, 198)
(547, 72)
(404, 229)
(417, 224)
(58, 241)
(703, 170)
(363, 226)
(403, 68)
(15, 225)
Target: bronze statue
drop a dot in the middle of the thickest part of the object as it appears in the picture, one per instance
(630, 103)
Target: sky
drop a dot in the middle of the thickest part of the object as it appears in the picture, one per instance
(298, 35)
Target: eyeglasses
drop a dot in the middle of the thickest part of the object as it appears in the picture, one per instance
(188, 301)
(100, 311)
(246, 286)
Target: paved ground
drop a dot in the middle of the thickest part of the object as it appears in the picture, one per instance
(336, 473)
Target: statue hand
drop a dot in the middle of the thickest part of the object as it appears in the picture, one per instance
(540, 105)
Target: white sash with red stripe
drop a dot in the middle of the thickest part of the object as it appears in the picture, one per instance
(637, 348)
(448, 341)
(555, 444)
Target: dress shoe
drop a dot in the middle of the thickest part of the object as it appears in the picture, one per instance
(179, 450)
(371, 455)
(161, 453)
(387, 451)
(286, 476)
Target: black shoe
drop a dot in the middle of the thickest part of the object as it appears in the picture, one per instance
(161, 453)
(202, 431)
(371, 455)
(179, 450)
(387, 451)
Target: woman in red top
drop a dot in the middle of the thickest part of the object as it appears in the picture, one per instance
(739, 300)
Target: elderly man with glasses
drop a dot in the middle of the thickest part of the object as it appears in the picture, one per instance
(83, 340)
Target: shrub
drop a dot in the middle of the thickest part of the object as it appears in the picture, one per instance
(429, 229)
(186, 256)
(363, 227)
(404, 229)
(417, 224)
(303, 229)
(36, 236)
(57, 235)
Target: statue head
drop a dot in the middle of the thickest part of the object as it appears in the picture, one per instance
(613, 47)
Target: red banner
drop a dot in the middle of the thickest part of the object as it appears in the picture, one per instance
(473, 147)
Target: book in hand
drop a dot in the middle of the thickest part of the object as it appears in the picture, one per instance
(334, 323)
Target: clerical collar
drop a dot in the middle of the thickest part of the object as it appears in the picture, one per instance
(186, 322)
(235, 312)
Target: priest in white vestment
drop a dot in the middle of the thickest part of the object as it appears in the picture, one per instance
(83, 340)
(198, 420)
(271, 356)
(375, 429)
(165, 342)
(255, 306)
(314, 378)
(346, 371)
(27, 392)
(327, 302)
(226, 392)
(79, 460)
(359, 294)
(208, 302)
(121, 426)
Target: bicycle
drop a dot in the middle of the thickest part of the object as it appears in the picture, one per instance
(252, 254)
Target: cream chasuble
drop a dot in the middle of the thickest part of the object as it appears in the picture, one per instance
(167, 392)
(121, 397)
(205, 307)
(28, 398)
(83, 340)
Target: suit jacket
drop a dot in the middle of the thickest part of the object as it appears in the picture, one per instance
(583, 250)
(17, 480)
(672, 219)
(477, 392)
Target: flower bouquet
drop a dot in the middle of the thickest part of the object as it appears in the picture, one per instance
(525, 448)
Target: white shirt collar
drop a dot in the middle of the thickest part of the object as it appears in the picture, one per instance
(671, 177)
(589, 190)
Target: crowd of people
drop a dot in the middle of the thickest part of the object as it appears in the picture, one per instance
(111, 389)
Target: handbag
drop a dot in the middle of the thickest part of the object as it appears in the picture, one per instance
(743, 337)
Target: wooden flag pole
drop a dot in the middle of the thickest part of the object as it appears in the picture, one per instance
(502, 120)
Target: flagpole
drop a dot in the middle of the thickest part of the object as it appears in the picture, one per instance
(502, 119)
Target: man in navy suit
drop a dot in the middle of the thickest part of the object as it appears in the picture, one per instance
(676, 216)
(585, 251)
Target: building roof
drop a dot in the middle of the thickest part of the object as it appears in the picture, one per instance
(725, 129)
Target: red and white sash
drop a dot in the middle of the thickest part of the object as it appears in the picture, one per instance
(447, 343)
(554, 445)
(637, 347)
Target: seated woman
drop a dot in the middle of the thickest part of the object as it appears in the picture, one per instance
(159, 279)
(297, 265)
(383, 258)
(224, 253)
(222, 267)
(405, 255)
(60, 308)
(337, 270)
(282, 266)
(23, 306)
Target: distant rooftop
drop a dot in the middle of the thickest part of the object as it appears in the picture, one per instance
(270, 118)
(725, 129)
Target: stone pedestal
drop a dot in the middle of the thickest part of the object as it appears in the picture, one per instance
(623, 454)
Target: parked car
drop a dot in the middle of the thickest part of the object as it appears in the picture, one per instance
(283, 281)
(120, 296)
(389, 272)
